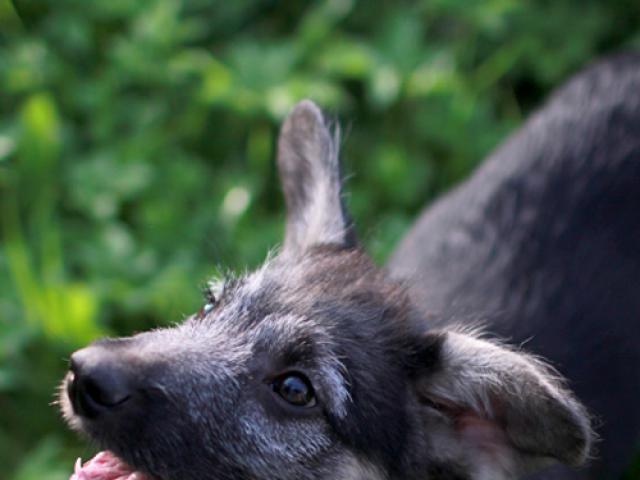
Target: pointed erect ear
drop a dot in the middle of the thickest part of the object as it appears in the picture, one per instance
(310, 175)
(504, 413)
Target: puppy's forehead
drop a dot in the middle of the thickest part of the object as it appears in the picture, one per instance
(289, 328)
(298, 282)
(315, 296)
(272, 305)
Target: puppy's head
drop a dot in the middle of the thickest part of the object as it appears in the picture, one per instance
(316, 367)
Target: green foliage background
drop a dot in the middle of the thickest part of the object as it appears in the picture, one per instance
(137, 141)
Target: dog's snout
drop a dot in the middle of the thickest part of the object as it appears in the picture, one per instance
(99, 381)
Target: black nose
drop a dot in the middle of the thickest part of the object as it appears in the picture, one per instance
(99, 381)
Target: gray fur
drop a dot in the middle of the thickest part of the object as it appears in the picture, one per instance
(310, 174)
(396, 398)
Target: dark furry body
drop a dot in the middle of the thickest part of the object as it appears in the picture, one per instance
(542, 246)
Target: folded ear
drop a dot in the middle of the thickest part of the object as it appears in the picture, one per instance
(310, 176)
(505, 413)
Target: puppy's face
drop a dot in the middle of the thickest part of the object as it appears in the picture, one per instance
(315, 367)
(294, 371)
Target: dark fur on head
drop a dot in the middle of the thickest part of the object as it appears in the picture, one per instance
(393, 400)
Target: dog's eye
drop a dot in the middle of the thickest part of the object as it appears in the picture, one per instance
(211, 300)
(206, 308)
(296, 389)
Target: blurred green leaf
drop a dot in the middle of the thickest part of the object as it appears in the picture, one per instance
(42, 463)
(40, 141)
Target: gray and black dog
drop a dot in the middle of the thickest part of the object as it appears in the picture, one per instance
(319, 365)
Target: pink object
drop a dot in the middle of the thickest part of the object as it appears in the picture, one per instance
(105, 466)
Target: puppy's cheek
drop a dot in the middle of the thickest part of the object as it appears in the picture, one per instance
(352, 467)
